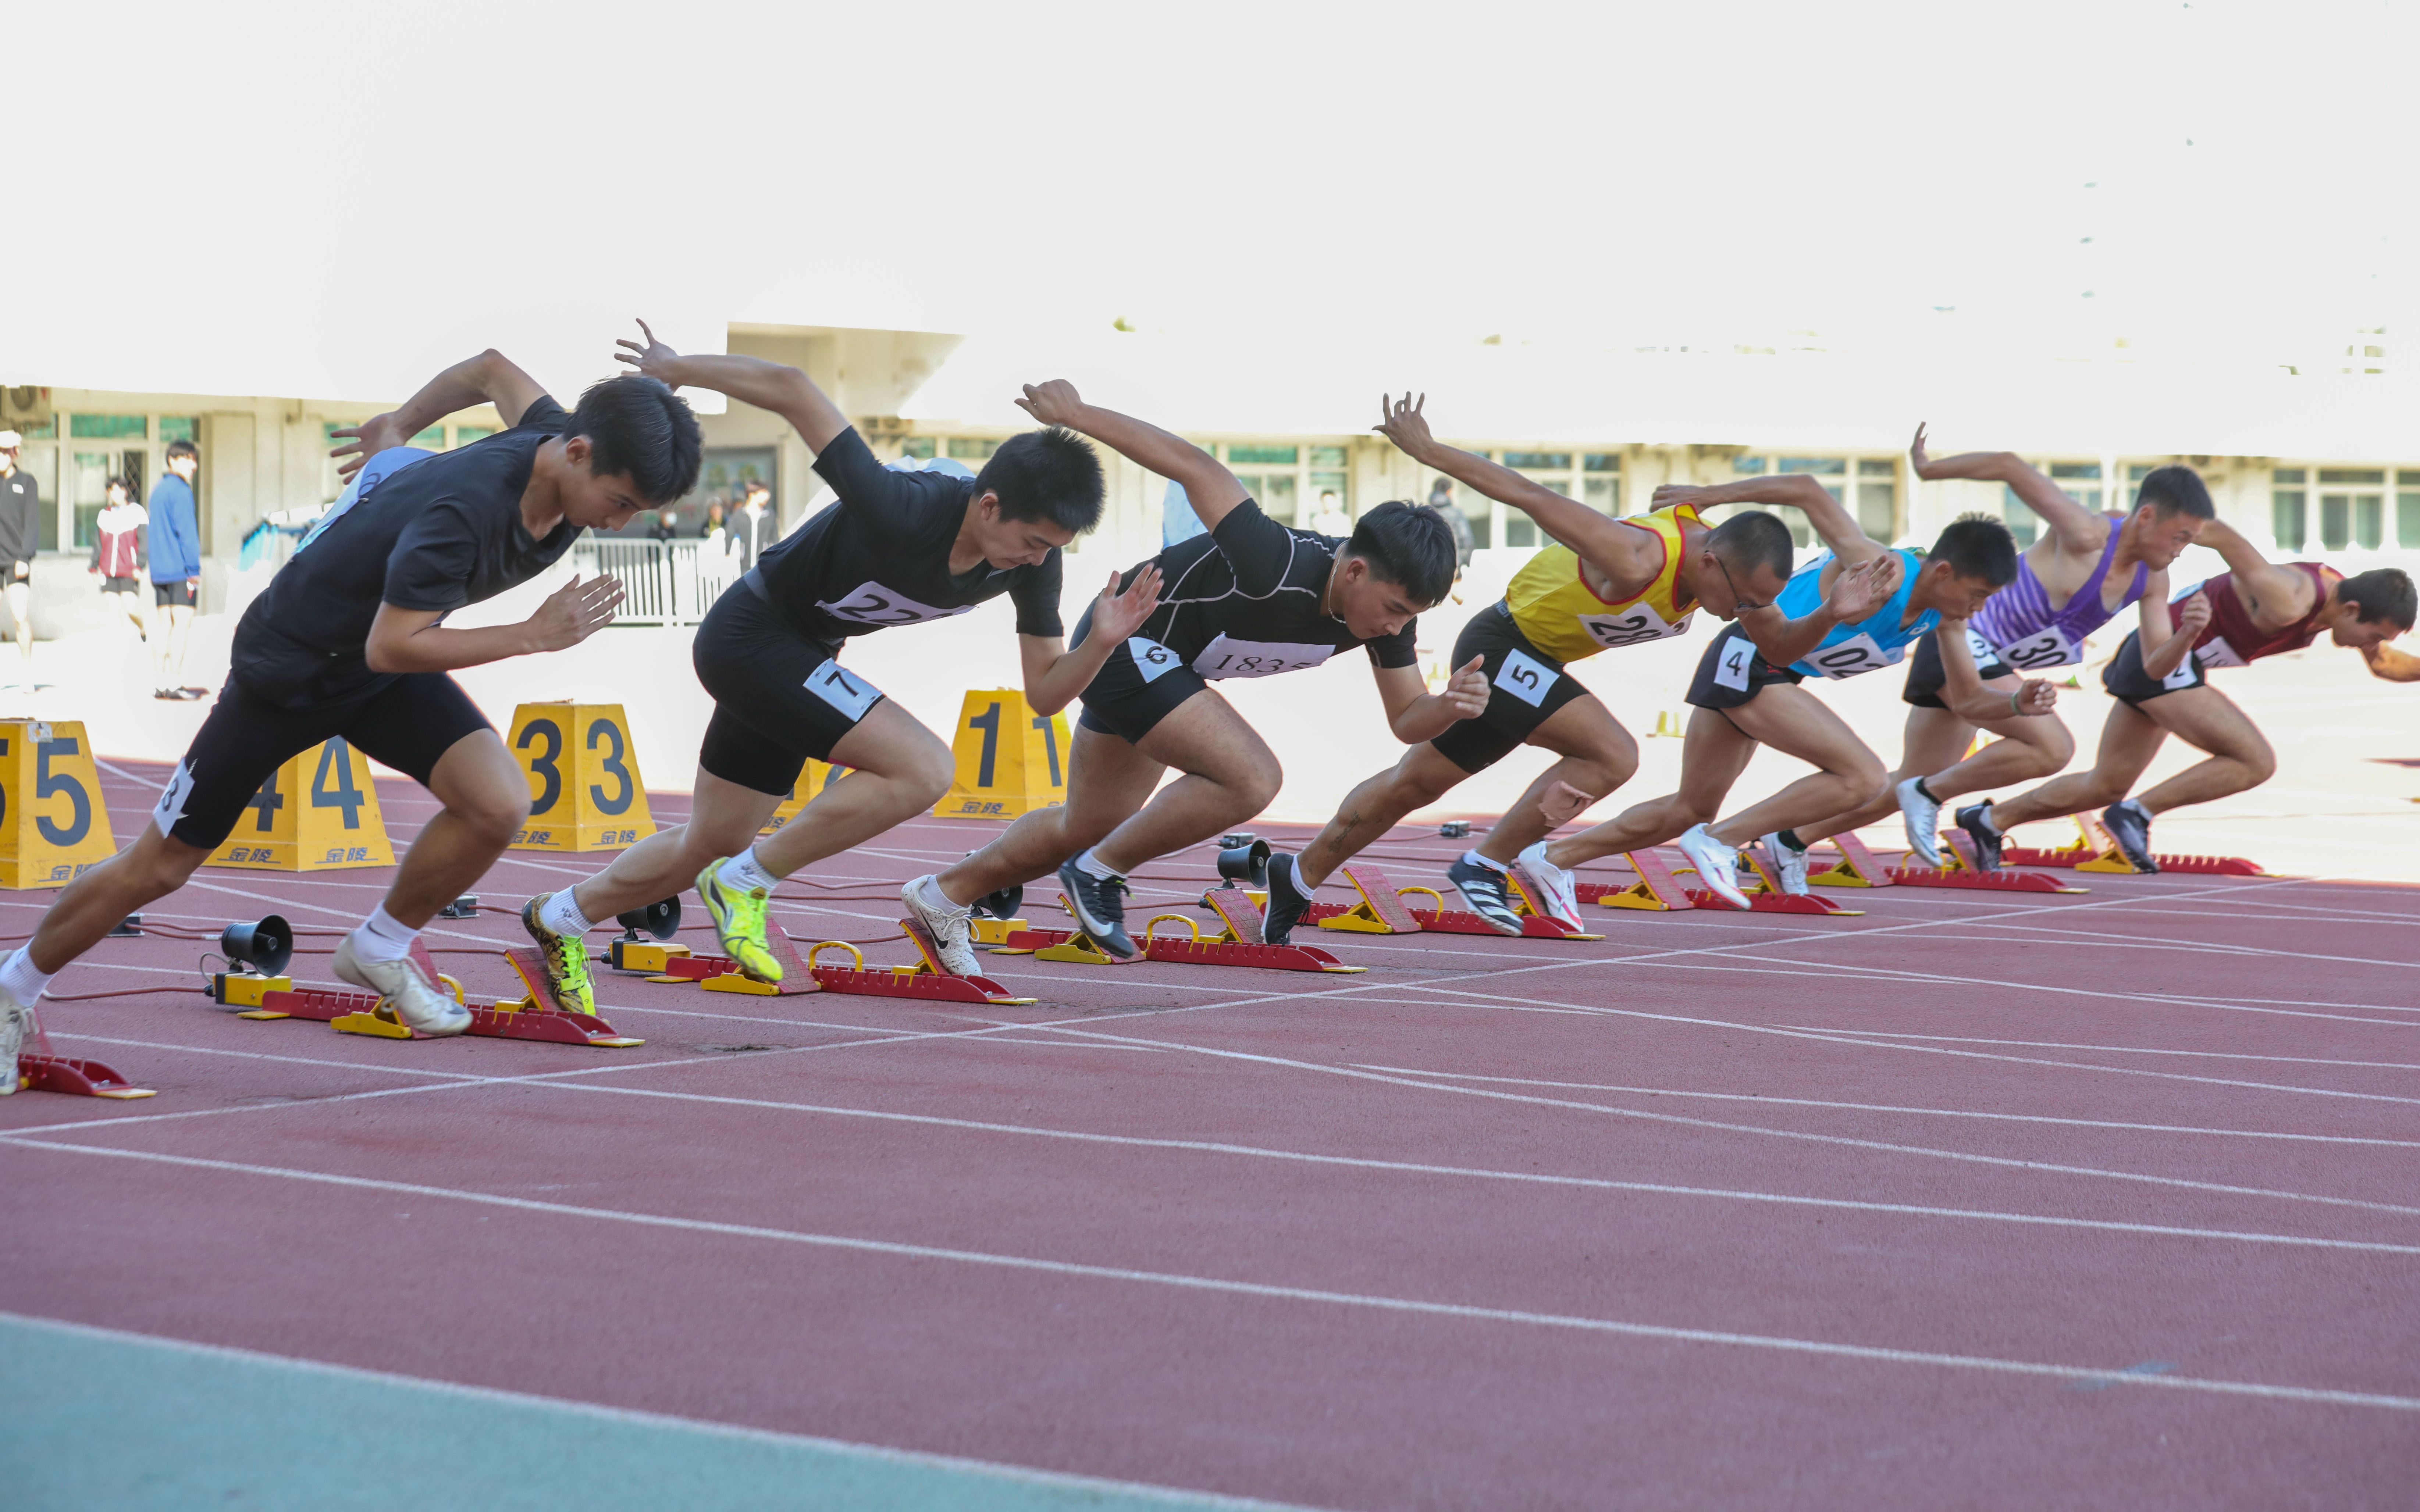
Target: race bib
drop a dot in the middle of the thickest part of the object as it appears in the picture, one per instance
(1150, 659)
(871, 604)
(2043, 648)
(1731, 665)
(2186, 675)
(1526, 677)
(1861, 653)
(1226, 658)
(1634, 626)
(852, 696)
(2216, 652)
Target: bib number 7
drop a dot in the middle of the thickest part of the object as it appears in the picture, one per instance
(852, 696)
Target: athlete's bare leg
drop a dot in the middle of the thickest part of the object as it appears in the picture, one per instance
(1797, 723)
(2030, 746)
(723, 819)
(1230, 775)
(2129, 739)
(1375, 806)
(2206, 719)
(486, 800)
(1713, 754)
(151, 866)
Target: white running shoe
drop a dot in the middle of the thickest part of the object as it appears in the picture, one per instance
(1792, 862)
(16, 1026)
(1718, 864)
(948, 927)
(1923, 817)
(1548, 884)
(420, 1005)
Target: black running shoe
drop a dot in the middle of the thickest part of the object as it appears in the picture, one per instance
(1100, 908)
(2132, 833)
(1287, 902)
(1986, 839)
(1483, 887)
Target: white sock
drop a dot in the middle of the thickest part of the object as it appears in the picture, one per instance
(1093, 867)
(18, 975)
(380, 938)
(929, 893)
(743, 873)
(563, 915)
(1497, 867)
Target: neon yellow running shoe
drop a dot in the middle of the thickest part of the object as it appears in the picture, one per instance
(738, 923)
(566, 958)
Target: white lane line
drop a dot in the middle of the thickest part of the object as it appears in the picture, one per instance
(1844, 1141)
(2215, 947)
(1267, 1291)
(2105, 1049)
(1889, 1107)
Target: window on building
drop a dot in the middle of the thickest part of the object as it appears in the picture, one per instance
(2288, 523)
(2023, 524)
(181, 428)
(1801, 537)
(44, 429)
(2352, 507)
(1329, 475)
(433, 439)
(971, 448)
(1601, 482)
(1878, 498)
(108, 427)
(2079, 481)
(2406, 509)
(1273, 476)
(1547, 469)
(465, 435)
(88, 477)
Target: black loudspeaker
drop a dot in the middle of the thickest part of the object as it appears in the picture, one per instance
(1247, 863)
(662, 921)
(1000, 905)
(1454, 829)
(264, 948)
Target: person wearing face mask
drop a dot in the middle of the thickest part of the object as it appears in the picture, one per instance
(2085, 569)
(21, 517)
(117, 552)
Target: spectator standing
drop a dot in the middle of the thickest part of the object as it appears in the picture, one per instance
(21, 518)
(754, 526)
(176, 568)
(711, 529)
(1331, 517)
(667, 525)
(117, 554)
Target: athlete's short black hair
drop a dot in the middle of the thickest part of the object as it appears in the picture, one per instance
(181, 447)
(1752, 539)
(1407, 545)
(2175, 489)
(2382, 594)
(1051, 473)
(638, 429)
(1979, 546)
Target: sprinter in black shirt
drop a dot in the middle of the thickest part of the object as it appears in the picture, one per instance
(896, 549)
(1251, 598)
(350, 640)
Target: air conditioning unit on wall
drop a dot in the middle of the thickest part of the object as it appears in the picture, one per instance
(27, 400)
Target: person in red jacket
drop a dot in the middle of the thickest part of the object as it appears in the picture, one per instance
(2256, 608)
(117, 553)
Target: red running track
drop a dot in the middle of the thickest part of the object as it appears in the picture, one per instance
(1975, 1200)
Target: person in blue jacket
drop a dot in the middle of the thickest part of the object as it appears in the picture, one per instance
(175, 545)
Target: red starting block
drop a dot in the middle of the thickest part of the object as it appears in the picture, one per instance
(1236, 943)
(925, 979)
(1383, 911)
(1764, 896)
(76, 1078)
(1657, 890)
(2096, 852)
(351, 1012)
(1960, 868)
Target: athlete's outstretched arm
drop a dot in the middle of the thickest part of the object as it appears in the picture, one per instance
(1961, 683)
(2391, 664)
(1415, 714)
(1620, 552)
(1213, 490)
(783, 389)
(411, 641)
(2275, 596)
(2164, 650)
(2079, 530)
(1054, 675)
(1792, 491)
(489, 377)
(1856, 592)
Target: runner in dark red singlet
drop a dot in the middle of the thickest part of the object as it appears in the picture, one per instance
(2257, 608)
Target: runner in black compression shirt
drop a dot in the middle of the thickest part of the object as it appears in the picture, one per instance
(897, 548)
(1251, 598)
(349, 639)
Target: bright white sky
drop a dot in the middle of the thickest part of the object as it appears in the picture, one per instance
(365, 193)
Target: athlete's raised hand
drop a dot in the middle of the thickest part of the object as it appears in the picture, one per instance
(1859, 591)
(1054, 403)
(2193, 615)
(369, 437)
(1118, 615)
(1401, 420)
(1465, 691)
(1669, 494)
(575, 611)
(2036, 696)
(652, 358)
(1915, 453)
(1563, 804)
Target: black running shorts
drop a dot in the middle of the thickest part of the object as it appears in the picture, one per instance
(2129, 684)
(1732, 673)
(1925, 677)
(1127, 699)
(779, 697)
(177, 594)
(1525, 686)
(408, 724)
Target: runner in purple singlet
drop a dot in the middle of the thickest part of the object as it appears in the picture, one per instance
(2085, 568)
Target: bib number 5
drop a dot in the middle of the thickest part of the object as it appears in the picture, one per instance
(1526, 677)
